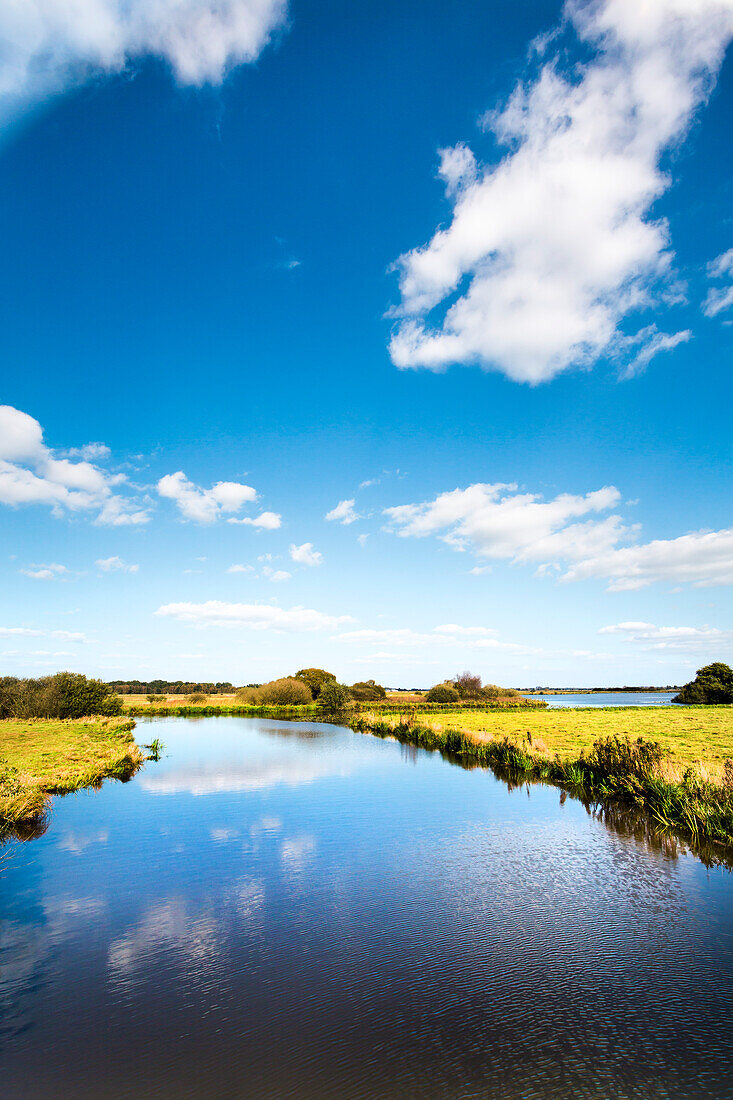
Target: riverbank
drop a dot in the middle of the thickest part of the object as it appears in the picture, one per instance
(175, 709)
(603, 757)
(41, 757)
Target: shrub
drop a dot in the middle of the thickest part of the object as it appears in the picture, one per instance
(712, 684)
(367, 691)
(197, 697)
(249, 696)
(468, 685)
(442, 693)
(334, 696)
(492, 691)
(315, 678)
(155, 698)
(621, 758)
(65, 695)
(287, 692)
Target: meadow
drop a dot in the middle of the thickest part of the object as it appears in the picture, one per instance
(40, 757)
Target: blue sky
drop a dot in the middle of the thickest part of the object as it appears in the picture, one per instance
(469, 270)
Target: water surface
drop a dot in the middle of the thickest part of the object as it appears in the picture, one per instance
(610, 699)
(295, 910)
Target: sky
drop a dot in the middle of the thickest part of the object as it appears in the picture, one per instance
(387, 338)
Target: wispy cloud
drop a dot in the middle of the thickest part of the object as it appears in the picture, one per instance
(115, 565)
(51, 572)
(50, 46)
(253, 616)
(651, 637)
(553, 247)
(720, 298)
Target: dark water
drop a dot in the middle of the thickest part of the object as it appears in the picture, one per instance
(280, 910)
(611, 699)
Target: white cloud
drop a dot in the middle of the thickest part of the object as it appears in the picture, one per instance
(240, 569)
(205, 505)
(344, 512)
(362, 540)
(49, 46)
(253, 616)
(276, 576)
(551, 248)
(449, 635)
(652, 343)
(50, 572)
(268, 521)
(496, 522)
(719, 298)
(702, 559)
(651, 637)
(305, 554)
(28, 632)
(89, 452)
(30, 473)
(115, 565)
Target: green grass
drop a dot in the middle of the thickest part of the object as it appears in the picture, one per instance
(40, 757)
(700, 737)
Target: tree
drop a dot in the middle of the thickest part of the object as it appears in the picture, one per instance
(315, 678)
(442, 693)
(334, 696)
(712, 684)
(366, 691)
(468, 685)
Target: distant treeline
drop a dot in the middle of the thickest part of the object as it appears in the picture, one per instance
(170, 687)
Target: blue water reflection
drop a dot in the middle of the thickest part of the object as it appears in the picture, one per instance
(295, 910)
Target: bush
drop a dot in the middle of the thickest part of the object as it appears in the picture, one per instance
(366, 691)
(334, 696)
(621, 758)
(468, 685)
(712, 684)
(155, 698)
(315, 678)
(442, 693)
(492, 691)
(65, 695)
(287, 692)
(197, 697)
(249, 696)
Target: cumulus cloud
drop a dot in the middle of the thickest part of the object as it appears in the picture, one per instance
(495, 521)
(344, 512)
(720, 298)
(49, 46)
(305, 554)
(32, 473)
(651, 637)
(205, 505)
(115, 565)
(564, 538)
(237, 568)
(701, 559)
(552, 247)
(276, 576)
(253, 616)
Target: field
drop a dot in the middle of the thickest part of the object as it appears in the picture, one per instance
(697, 736)
(40, 757)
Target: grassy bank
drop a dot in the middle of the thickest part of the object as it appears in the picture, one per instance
(700, 737)
(180, 709)
(604, 758)
(41, 757)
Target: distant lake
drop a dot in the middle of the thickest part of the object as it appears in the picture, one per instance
(611, 699)
(293, 911)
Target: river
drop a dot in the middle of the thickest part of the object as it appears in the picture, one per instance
(294, 910)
